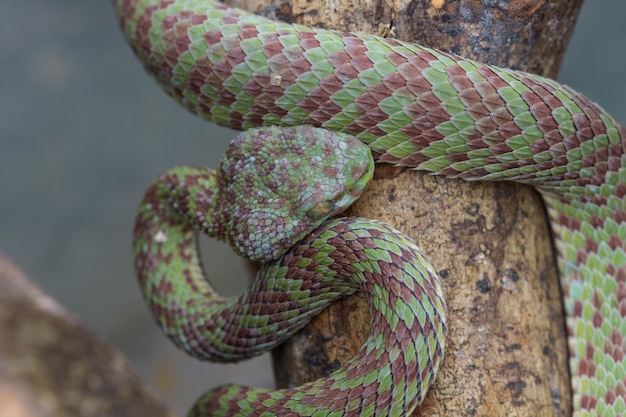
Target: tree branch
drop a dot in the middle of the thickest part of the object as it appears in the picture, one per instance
(50, 365)
(506, 351)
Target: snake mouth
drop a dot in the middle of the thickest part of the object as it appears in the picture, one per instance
(344, 198)
(366, 169)
(363, 173)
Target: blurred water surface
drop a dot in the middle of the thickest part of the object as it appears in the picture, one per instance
(83, 131)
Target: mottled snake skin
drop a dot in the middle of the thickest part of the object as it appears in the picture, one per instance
(432, 111)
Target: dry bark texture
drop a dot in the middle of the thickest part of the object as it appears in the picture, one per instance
(529, 35)
(506, 350)
(51, 366)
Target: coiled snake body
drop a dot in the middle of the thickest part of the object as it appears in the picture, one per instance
(412, 106)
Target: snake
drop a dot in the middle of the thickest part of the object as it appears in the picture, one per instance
(411, 106)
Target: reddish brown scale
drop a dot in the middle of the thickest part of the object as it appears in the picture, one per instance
(611, 269)
(299, 66)
(591, 246)
(571, 142)
(212, 37)
(375, 131)
(542, 115)
(475, 108)
(272, 47)
(551, 135)
(274, 92)
(458, 157)
(365, 102)
(584, 133)
(195, 80)
(415, 158)
(396, 58)
(539, 146)
(509, 129)
(501, 117)
(581, 256)
(548, 126)
(308, 105)
(221, 71)
(380, 91)
(489, 96)
(495, 80)
(142, 42)
(371, 115)
(254, 86)
(597, 319)
(526, 162)
(264, 105)
(279, 64)
(596, 221)
(411, 71)
(610, 397)
(577, 312)
(588, 403)
(510, 165)
(354, 46)
(622, 307)
(419, 120)
(425, 99)
(581, 122)
(395, 84)
(234, 57)
(165, 288)
(168, 23)
(127, 11)
(236, 118)
(614, 346)
(328, 86)
(304, 35)
(435, 116)
(545, 91)
(615, 242)
(230, 18)
(590, 111)
(597, 126)
(325, 112)
(248, 31)
(168, 313)
(307, 40)
(485, 125)
(537, 107)
(596, 199)
(587, 368)
(568, 222)
(360, 63)
(415, 133)
(614, 163)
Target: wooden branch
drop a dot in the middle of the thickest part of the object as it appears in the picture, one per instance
(506, 351)
(50, 365)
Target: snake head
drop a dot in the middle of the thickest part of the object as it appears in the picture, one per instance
(279, 184)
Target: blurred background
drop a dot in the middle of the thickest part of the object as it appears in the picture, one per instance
(83, 131)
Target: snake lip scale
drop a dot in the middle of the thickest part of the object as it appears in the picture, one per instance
(412, 106)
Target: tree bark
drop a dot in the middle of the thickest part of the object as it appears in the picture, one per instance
(506, 349)
(51, 366)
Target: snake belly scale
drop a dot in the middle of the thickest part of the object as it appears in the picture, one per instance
(431, 111)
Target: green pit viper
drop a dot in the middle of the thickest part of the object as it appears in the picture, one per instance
(412, 106)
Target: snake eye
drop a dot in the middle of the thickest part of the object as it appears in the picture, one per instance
(321, 209)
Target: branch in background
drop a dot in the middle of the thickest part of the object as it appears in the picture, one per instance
(51, 366)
